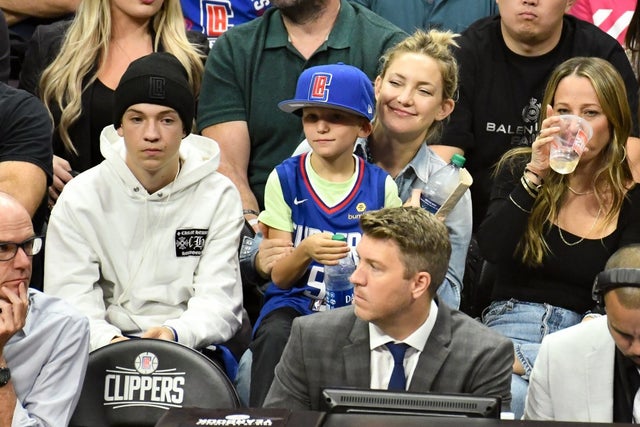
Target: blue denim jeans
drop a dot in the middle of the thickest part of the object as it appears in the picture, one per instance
(449, 293)
(526, 323)
(243, 379)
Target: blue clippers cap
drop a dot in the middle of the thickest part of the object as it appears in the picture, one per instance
(339, 86)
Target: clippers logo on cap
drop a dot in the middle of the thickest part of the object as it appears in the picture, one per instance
(156, 87)
(319, 90)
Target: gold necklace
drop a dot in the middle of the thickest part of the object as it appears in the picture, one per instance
(582, 238)
(579, 193)
(119, 46)
(135, 53)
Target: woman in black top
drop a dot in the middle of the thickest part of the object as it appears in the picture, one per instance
(550, 234)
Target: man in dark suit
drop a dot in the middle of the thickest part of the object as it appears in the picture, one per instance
(404, 253)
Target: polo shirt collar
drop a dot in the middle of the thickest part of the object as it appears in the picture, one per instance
(340, 34)
(276, 33)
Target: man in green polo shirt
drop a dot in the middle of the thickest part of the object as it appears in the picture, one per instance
(254, 66)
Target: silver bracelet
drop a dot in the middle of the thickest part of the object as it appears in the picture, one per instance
(518, 206)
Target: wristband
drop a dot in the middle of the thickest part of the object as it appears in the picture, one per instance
(533, 193)
(534, 174)
(175, 334)
(250, 212)
(534, 171)
(534, 187)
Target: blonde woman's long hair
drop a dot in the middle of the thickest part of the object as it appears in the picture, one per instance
(437, 45)
(64, 80)
(612, 179)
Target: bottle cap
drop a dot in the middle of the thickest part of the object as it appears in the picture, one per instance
(458, 160)
(339, 237)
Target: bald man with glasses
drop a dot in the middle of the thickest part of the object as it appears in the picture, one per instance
(44, 342)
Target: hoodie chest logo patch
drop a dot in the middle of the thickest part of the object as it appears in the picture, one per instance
(190, 242)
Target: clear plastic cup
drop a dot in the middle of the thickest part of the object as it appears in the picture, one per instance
(569, 144)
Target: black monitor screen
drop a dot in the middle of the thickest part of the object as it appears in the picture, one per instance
(364, 401)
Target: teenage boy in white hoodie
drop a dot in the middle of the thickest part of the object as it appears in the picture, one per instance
(145, 244)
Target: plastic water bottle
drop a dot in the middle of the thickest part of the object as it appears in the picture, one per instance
(339, 288)
(441, 184)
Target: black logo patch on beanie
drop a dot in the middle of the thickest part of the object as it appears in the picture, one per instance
(158, 78)
(156, 87)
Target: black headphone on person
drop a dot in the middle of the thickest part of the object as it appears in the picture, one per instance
(614, 278)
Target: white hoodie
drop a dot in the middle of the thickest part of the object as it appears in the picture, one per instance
(131, 260)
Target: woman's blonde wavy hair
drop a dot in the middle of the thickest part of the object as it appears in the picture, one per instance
(438, 46)
(86, 44)
(612, 179)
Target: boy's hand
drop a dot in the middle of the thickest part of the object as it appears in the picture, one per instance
(322, 249)
(118, 338)
(159, 332)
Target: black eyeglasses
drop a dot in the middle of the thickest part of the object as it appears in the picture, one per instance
(31, 246)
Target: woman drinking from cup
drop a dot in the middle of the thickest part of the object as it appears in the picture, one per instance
(569, 143)
(549, 233)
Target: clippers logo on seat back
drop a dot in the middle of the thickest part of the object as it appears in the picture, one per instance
(319, 89)
(144, 385)
(146, 363)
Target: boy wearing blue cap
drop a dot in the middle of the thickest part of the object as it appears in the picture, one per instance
(310, 197)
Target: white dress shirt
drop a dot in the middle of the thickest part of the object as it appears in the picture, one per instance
(636, 406)
(381, 358)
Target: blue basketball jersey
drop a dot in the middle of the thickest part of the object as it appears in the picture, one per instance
(214, 17)
(311, 215)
